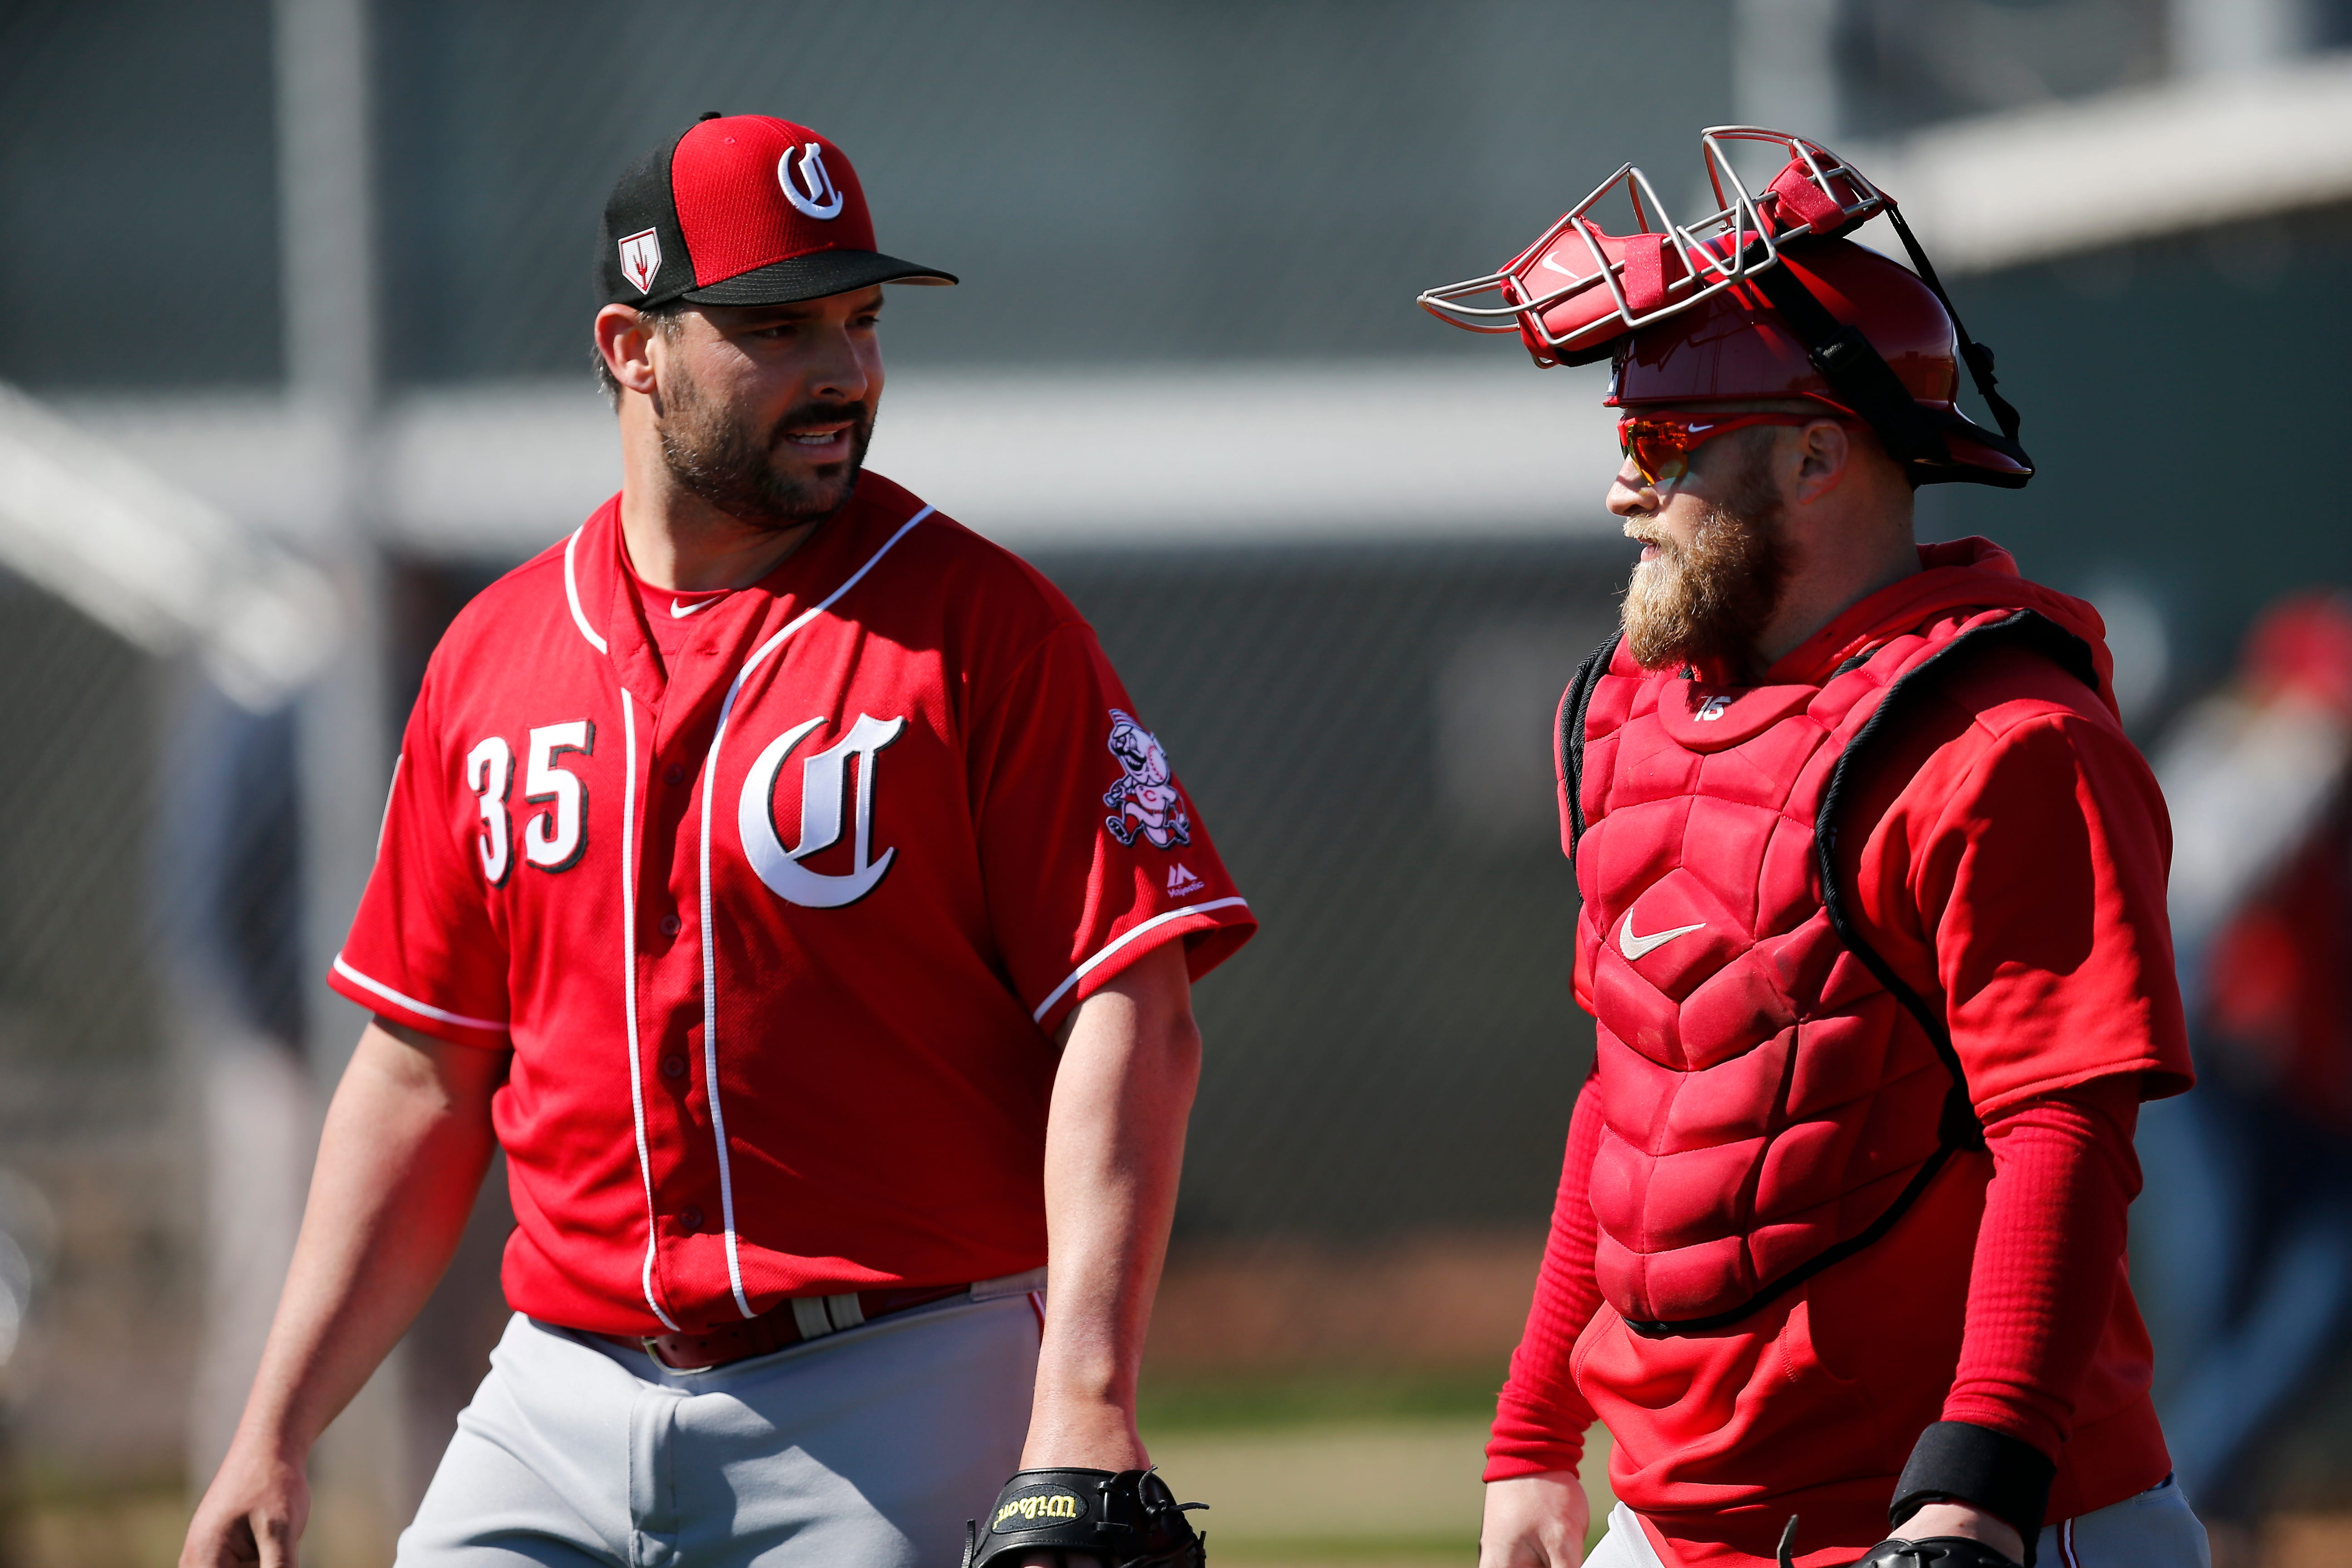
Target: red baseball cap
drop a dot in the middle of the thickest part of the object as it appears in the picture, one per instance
(743, 209)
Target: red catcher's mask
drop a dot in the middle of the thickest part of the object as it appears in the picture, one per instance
(1736, 345)
(1763, 298)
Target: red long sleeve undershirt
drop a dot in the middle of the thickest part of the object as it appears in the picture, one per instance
(2049, 1253)
(1539, 1418)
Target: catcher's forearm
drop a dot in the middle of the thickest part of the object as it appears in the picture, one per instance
(1114, 1148)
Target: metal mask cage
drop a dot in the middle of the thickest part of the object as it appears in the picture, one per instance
(1740, 238)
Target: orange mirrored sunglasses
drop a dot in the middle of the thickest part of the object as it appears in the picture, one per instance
(1661, 445)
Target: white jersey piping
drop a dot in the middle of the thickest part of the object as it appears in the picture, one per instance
(1091, 964)
(383, 823)
(709, 953)
(629, 988)
(571, 593)
(424, 1009)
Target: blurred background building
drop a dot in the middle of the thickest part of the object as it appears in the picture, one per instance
(301, 361)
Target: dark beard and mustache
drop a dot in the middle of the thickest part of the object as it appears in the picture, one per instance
(722, 461)
(1706, 605)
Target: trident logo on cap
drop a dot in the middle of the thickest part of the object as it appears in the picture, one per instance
(813, 193)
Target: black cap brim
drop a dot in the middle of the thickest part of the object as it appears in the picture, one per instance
(814, 277)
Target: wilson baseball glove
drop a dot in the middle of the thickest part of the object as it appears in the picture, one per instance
(1935, 1551)
(1124, 1520)
(1930, 1551)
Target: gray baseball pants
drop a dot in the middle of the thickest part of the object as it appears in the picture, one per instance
(2153, 1529)
(867, 1449)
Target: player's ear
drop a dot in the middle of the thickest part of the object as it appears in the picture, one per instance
(624, 339)
(1823, 452)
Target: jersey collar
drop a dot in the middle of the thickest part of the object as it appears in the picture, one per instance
(609, 617)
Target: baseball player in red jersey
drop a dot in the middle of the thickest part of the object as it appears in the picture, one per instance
(748, 878)
(1874, 933)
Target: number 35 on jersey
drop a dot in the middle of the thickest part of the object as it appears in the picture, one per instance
(554, 833)
(556, 799)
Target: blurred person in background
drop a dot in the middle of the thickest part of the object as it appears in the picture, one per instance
(1872, 928)
(2250, 1259)
(793, 1133)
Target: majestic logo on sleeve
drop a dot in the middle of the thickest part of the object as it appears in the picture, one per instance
(809, 187)
(641, 258)
(1146, 799)
(824, 789)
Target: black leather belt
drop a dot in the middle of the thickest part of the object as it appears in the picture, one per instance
(796, 1321)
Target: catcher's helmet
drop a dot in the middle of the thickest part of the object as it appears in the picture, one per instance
(1738, 346)
(1762, 298)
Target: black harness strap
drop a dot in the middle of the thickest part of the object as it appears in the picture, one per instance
(1854, 369)
(1660, 1328)
(1978, 357)
(1572, 709)
(1862, 380)
(1958, 1127)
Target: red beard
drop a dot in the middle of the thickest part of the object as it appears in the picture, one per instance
(1705, 605)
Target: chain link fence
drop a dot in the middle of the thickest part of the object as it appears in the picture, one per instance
(98, 1298)
(1367, 733)
(1365, 727)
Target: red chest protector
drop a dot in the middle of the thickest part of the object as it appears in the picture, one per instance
(1773, 1096)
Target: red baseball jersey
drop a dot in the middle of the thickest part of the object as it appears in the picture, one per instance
(2007, 855)
(776, 903)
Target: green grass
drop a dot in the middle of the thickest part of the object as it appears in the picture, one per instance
(1344, 1549)
(1335, 1469)
(1226, 1402)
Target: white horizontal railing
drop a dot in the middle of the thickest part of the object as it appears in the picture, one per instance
(156, 564)
(1485, 445)
(2194, 154)
(1456, 445)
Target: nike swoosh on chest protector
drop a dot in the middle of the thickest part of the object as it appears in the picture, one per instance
(1633, 946)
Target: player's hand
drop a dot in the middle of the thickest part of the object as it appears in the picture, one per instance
(1056, 1517)
(1535, 1522)
(252, 1513)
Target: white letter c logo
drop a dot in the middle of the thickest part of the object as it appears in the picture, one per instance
(823, 784)
(813, 193)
